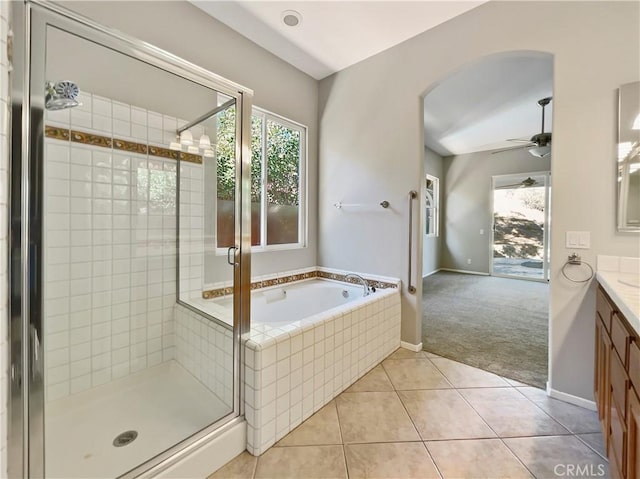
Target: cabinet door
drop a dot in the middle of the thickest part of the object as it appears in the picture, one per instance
(633, 436)
(596, 367)
(604, 388)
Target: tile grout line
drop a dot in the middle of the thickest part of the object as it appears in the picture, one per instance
(546, 413)
(255, 468)
(497, 435)
(344, 452)
(435, 464)
(472, 387)
(502, 439)
(518, 458)
(589, 445)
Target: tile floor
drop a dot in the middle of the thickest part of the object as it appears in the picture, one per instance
(418, 415)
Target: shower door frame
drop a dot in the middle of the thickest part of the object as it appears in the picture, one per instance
(25, 422)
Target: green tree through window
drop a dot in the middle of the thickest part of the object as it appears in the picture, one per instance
(278, 147)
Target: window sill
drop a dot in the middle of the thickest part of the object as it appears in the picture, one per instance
(266, 249)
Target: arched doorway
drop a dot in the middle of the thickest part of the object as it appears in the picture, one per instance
(472, 313)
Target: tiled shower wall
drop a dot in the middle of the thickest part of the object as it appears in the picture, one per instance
(110, 222)
(4, 187)
(205, 349)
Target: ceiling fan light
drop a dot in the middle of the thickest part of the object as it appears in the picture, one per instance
(540, 151)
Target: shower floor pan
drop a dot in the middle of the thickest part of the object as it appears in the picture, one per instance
(163, 404)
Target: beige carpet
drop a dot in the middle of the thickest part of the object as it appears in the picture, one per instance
(496, 324)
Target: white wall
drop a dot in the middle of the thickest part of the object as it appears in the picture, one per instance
(186, 31)
(467, 203)
(4, 180)
(372, 146)
(431, 246)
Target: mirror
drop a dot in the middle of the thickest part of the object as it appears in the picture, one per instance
(629, 158)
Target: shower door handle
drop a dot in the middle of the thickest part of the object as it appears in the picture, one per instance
(232, 259)
(36, 365)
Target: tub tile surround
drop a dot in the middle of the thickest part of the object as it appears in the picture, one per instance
(292, 372)
(618, 275)
(218, 290)
(110, 223)
(205, 349)
(435, 433)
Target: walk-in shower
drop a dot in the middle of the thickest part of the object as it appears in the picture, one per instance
(115, 369)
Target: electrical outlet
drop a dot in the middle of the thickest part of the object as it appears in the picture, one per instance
(469, 261)
(481, 231)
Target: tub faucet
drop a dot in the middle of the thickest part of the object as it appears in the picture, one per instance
(367, 290)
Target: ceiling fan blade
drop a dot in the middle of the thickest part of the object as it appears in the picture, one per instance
(529, 145)
(517, 185)
(521, 140)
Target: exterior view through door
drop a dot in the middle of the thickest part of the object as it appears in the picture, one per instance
(520, 246)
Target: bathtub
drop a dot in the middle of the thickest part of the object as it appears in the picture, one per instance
(310, 339)
(308, 343)
(287, 304)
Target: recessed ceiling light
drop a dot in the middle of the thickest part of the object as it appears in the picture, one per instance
(291, 18)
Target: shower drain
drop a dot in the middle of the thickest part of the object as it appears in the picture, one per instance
(125, 438)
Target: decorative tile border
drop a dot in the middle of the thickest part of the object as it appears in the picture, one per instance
(342, 277)
(118, 144)
(292, 278)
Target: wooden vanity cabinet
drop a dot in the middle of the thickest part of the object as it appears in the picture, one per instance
(633, 436)
(617, 387)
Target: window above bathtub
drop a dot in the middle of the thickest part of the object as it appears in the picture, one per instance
(278, 185)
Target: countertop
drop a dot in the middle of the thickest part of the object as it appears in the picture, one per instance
(626, 297)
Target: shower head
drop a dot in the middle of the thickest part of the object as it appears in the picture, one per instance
(61, 95)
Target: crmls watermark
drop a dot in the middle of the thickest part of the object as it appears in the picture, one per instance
(579, 470)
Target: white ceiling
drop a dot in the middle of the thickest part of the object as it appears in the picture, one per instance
(479, 107)
(333, 34)
(475, 109)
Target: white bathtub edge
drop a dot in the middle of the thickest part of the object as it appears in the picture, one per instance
(411, 347)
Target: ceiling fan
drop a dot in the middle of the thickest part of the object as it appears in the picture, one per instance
(527, 182)
(540, 144)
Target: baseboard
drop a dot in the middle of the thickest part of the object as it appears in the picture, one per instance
(433, 272)
(411, 347)
(571, 399)
(464, 271)
(210, 456)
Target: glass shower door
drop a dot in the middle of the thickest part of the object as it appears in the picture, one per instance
(128, 364)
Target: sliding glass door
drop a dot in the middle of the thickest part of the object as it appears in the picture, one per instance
(520, 246)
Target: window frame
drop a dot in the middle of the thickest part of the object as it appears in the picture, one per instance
(435, 208)
(265, 116)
